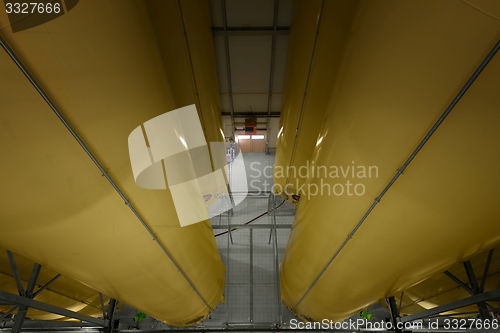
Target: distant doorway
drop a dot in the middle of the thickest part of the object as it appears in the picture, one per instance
(252, 143)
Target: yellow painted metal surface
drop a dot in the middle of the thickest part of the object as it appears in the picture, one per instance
(403, 64)
(312, 70)
(102, 64)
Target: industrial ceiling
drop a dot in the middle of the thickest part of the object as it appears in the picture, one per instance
(251, 41)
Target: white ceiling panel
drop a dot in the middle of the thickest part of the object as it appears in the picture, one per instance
(216, 13)
(246, 103)
(250, 63)
(250, 13)
(285, 13)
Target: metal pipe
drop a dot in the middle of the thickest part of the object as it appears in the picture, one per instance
(15, 272)
(25, 301)
(32, 281)
(82, 144)
(228, 260)
(486, 270)
(111, 314)
(400, 171)
(483, 310)
(42, 288)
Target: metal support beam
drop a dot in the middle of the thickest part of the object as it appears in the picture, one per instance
(454, 305)
(32, 281)
(459, 282)
(23, 309)
(250, 31)
(15, 272)
(394, 313)
(251, 274)
(483, 310)
(111, 313)
(486, 270)
(19, 319)
(21, 300)
(45, 286)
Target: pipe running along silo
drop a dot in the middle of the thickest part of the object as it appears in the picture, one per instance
(397, 196)
(107, 68)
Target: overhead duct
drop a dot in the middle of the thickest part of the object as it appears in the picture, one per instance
(101, 66)
(404, 63)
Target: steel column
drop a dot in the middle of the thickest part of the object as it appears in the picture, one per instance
(23, 309)
(251, 275)
(111, 313)
(483, 310)
(394, 313)
(486, 270)
(32, 280)
(271, 73)
(276, 262)
(13, 265)
(459, 282)
(228, 63)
